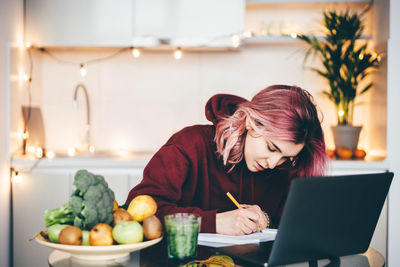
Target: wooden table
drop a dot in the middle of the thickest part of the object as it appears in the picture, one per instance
(156, 256)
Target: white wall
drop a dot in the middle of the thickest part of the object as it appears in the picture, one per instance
(393, 134)
(11, 28)
(137, 104)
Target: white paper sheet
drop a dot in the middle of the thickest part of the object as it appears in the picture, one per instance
(218, 240)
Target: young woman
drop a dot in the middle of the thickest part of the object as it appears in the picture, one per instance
(253, 150)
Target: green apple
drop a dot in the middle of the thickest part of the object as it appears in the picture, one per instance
(128, 232)
(54, 231)
(85, 238)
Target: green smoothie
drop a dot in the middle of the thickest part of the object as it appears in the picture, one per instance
(182, 230)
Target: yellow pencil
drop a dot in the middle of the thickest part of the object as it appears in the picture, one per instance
(239, 207)
(234, 200)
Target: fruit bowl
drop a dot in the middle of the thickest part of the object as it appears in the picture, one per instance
(97, 252)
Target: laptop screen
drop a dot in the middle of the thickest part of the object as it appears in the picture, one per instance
(328, 217)
(324, 217)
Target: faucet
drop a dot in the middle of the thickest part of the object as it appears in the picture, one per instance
(87, 144)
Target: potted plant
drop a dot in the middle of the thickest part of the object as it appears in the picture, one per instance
(346, 62)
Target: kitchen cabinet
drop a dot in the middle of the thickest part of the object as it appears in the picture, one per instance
(78, 23)
(35, 193)
(49, 186)
(127, 23)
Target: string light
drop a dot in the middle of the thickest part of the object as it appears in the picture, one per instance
(31, 149)
(91, 149)
(71, 151)
(178, 53)
(135, 52)
(82, 70)
(293, 35)
(24, 135)
(50, 154)
(28, 44)
(247, 34)
(16, 176)
(39, 152)
(235, 40)
(24, 77)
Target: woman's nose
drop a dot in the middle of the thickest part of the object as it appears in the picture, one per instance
(274, 161)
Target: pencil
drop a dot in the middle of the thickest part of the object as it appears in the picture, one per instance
(234, 200)
(239, 207)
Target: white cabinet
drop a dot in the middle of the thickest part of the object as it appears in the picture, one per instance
(79, 23)
(133, 22)
(31, 196)
(48, 187)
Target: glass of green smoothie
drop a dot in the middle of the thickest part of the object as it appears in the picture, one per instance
(182, 230)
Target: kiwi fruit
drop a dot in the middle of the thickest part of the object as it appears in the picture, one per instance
(152, 227)
(70, 235)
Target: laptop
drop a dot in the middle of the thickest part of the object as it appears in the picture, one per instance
(323, 218)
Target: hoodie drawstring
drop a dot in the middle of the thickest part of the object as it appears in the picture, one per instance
(252, 189)
(241, 184)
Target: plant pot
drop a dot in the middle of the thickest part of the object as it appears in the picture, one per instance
(346, 136)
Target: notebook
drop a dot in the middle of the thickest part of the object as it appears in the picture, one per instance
(219, 240)
(323, 218)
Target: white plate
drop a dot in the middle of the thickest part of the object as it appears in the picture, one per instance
(98, 252)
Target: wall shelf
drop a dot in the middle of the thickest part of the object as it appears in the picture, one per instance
(279, 39)
(305, 1)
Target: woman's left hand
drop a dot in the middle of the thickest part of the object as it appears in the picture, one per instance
(262, 221)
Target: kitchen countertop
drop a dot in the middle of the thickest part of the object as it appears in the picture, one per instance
(139, 159)
(110, 160)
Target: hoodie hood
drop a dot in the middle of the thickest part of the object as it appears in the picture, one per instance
(221, 106)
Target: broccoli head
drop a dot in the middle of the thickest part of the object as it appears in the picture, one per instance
(91, 203)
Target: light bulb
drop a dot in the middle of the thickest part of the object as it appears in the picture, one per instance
(91, 149)
(17, 178)
(24, 77)
(28, 44)
(178, 53)
(235, 40)
(135, 52)
(83, 70)
(71, 151)
(39, 152)
(293, 35)
(31, 149)
(50, 154)
(247, 34)
(340, 113)
(24, 135)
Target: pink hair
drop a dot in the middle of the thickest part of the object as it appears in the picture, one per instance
(279, 111)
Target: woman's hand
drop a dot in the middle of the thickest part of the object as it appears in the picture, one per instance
(262, 221)
(240, 221)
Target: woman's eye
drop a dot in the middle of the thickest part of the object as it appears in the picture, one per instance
(270, 148)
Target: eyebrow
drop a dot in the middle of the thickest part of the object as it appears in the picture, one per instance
(276, 147)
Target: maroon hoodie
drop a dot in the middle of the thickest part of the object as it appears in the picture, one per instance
(187, 175)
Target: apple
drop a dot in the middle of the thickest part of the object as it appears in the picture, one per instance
(54, 232)
(128, 232)
(359, 153)
(85, 238)
(344, 153)
(141, 207)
